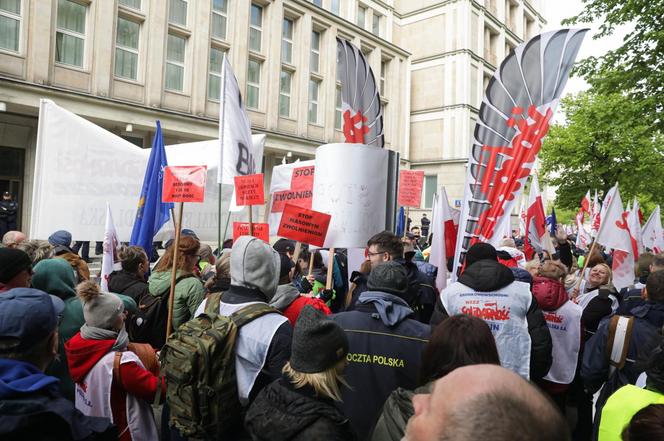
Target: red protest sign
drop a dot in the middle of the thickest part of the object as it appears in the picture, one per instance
(261, 231)
(300, 192)
(249, 190)
(410, 188)
(303, 178)
(184, 183)
(304, 225)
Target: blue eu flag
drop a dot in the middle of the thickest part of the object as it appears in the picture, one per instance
(401, 222)
(152, 212)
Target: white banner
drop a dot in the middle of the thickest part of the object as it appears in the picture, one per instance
(351, 185)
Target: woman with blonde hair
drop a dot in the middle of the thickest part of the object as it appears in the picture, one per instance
(597, 296)
(301, 405)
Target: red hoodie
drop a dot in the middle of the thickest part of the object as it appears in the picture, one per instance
(83, 355)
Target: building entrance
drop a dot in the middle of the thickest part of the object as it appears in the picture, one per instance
(12, 164)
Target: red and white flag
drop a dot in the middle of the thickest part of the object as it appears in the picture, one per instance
(444, 227)
(586, 204)
(534, 240)
(582, 236)
(614, 234)
(653, 235)
(594, 217)
(110, 248)
(635, 229)
(522, 218)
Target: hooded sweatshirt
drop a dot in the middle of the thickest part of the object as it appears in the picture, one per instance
(288, 300)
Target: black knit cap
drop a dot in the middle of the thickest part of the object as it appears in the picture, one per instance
(480, 251)
(318, 342)
(390, 277)
(12, 262)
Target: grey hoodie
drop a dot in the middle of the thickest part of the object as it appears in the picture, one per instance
(284, 296)
(255, 264)
(391, 309)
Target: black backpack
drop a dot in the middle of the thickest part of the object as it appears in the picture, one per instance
(148, 325)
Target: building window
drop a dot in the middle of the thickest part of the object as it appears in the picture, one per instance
(337, 108)
(287, 41)
(430, 184)
(134, 4)
(255, 28)
(175, 63)
(219, 18)
(314, 59)
(334, 7)
(383, 72)
(285, 84)
(70, 34)
(214, 74)
(177, 12)
(314, 86)
(126, 48)
(375, 26)
(253, 84)
(361, 16)
(10, 24)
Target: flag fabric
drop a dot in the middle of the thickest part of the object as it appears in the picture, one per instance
(653, 234)
(514, 117)
(606, 202)
(522, 218)
(535, 222)
(110, 246)
(614, 234)
(582, 235)
(635, 219)
(552, 222)
(238, 154)
(362, 115)
(152, 213)
(444, 226)
(401, 222)
(586, 204)
(594, 217)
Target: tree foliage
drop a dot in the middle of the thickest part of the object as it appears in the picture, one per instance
(606, 140)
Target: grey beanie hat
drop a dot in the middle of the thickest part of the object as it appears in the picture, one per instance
(100, 310)
(318, 342)
(390, 277)
(255, 264)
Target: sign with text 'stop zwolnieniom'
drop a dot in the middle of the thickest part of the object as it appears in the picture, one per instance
(410, 188)
(249, 190)
(184, 183)
(303, 225)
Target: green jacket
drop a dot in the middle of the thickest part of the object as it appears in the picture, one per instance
(56, 277)
(621, 407)
(398, 408)
(189, 293)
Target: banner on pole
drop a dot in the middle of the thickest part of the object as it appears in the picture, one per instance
(304, 225)
(261, 231)
(410, 188)
(184, 183)
(249, 190)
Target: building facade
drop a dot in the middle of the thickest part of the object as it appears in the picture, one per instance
(125, 63)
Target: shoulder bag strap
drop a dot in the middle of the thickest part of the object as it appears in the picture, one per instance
(251, 312)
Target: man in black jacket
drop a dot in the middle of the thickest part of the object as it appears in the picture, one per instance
(8, 210)
(487, 289)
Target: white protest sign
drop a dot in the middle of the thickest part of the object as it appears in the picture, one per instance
(351, 185)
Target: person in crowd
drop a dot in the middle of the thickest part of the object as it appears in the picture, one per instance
(288, 299)
(189, 291)
(111, 381)
(532, 266)
(421, 294)
(634, 297)
(509, 255)
(646, 425)
(37, 250)
(385, 343)
(597, 296)
(563, 317)
(358, 278)
(206, 261)
(487, 289)
(624, 403)
(15, 269)
(56, 277)
(84, 248)
(32, 405)
(221, 280)
(130, 280)
(484, 402)
(8, 212)
(300, 405)
(460, 340)
(12, 239)
(425, 222)
(285, 246)
(61, 240)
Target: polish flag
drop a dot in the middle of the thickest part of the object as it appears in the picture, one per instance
(586, 204)
(444, 227)
(594, 217)
(653, 235)
(614, 233)
(534, 240)
(635, 228)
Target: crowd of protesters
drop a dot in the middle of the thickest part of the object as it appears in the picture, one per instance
(286, 343)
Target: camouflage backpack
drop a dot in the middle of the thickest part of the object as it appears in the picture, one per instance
(199, 364)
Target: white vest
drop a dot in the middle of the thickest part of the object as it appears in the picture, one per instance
(93, 398)
(565, 327)
(505, 312)
(584, 299)
(251, 346)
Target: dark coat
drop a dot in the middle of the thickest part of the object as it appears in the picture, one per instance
(489, 275)
(123, 282)
(398, 409)
(596, 310)
(281, 412)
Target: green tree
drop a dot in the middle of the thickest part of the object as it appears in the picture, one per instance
(636, 67)
(606, 139)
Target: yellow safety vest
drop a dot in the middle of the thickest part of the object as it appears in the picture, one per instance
(621, 407)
